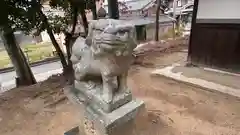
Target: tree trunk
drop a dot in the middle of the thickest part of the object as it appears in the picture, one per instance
(94, 10)
(68, 45)
(69, 41)
(84, 20)
(19, 61)
(174, 16)
(157, 20)
(113, 11)
(58, 49)
(54, 41)
(69, 36)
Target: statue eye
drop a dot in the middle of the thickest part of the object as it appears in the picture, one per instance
(121, 32)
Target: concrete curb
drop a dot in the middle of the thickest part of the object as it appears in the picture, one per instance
(196, 82)
(7, 85)
(34, 64)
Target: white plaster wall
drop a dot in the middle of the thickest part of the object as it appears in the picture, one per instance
(218, 9)
(45, 37)
(59, 37)
(163, 29)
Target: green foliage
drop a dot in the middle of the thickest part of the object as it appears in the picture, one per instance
(60, 23)
(18, 15)
(71, 8)
(90, 3)
(24, 14)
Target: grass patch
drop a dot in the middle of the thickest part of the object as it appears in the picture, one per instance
(34, 53)
(4, 59)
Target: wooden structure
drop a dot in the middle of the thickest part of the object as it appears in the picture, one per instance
(215, 34)
(145, 26)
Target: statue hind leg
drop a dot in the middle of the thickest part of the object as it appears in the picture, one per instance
(122, 83)
(80, 76)
(108, 88)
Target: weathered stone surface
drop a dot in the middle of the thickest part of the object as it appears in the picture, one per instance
(93, 97)
(101, 63)
(103, 59)
(106, 123)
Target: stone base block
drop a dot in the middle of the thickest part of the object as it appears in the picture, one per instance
(93, 97)
(107, 123)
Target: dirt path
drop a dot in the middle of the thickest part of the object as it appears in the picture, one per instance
(187, 110)
(173, 108)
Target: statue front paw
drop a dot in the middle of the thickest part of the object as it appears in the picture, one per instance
(107, 97)
(79, 76)
(90, 85)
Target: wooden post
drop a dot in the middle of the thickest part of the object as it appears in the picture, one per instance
(157, 20)
(174, 8)
(113, 11)
(174, 16)
(174, 34)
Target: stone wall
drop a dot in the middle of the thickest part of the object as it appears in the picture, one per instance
(163, 29)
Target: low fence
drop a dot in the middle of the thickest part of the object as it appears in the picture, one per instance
(41, 62)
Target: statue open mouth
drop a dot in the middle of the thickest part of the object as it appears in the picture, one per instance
(106, 38)
(111, 42)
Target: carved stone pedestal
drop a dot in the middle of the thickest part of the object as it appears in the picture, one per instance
(106, 123)
(94, 99)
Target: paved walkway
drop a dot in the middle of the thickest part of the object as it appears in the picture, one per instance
(206, 78)
(41, 73)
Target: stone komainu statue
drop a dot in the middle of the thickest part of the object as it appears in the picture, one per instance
(103, 59)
